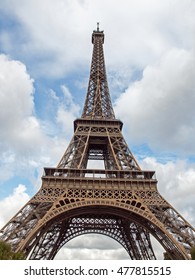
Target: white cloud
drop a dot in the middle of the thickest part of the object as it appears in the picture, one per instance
(57, 34)
(50, 33)
(98, 246)
(16, 89)
(159, 109)
(68, 111)
(10, 205)
(176, 183)
(21, 137)
(20, 130)
(24, 143)
(92, 246)
(91, 254)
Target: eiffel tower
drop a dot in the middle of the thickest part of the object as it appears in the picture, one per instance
(121, 200)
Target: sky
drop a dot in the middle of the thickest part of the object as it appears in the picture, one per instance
(45, 56)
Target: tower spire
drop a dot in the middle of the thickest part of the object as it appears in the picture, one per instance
(98, 102)
(98, 26)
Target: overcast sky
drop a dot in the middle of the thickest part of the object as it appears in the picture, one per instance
(45, 55)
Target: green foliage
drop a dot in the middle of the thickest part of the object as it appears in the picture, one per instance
(6, 252)
(166, 256)
(193, 253)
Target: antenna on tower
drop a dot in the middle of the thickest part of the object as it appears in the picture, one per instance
(98, 26)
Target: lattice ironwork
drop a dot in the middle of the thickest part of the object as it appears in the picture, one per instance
(98, 103)
(91, 140)
(125, 232)
(121, 201)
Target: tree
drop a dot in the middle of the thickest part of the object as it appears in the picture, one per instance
(6, 252)
(193, 253)
(166, 256)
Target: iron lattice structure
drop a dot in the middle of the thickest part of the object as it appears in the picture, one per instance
(120, 201)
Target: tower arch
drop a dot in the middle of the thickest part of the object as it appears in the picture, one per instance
(131, 228)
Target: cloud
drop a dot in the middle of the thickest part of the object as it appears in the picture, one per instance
(176, 183)
(91, 254)
(98, 246)
(22, 137)
(57, 34)
(20, 130)
(159, 108)
(67, 111)
(10, 205)
(92, 246)
(49, 34)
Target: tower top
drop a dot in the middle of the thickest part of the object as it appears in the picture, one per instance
(98, 102)
(97, 34)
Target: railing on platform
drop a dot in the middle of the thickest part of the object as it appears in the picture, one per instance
(99, 173)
